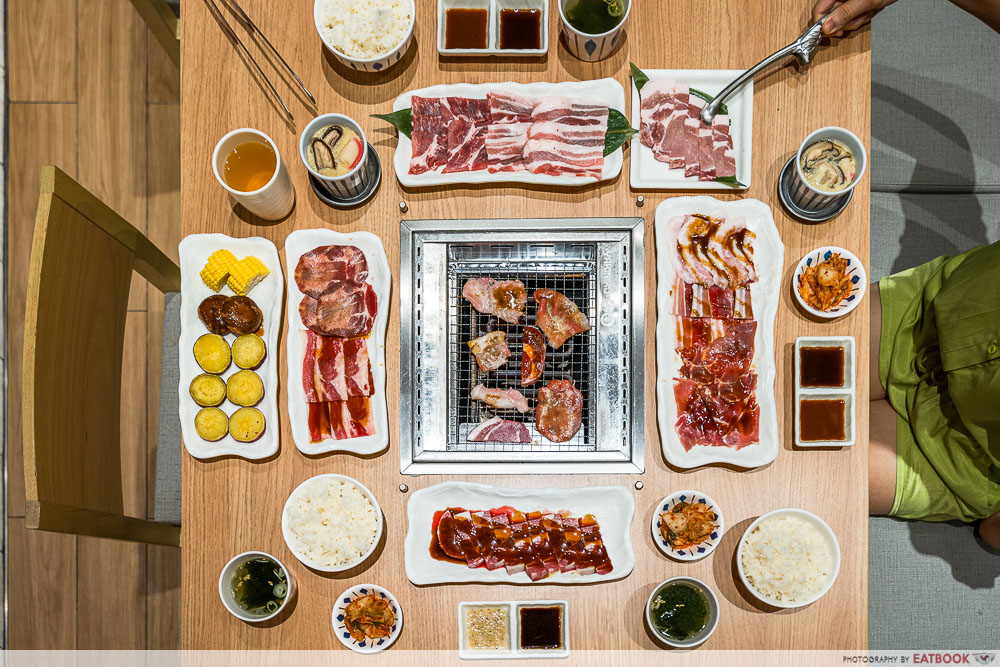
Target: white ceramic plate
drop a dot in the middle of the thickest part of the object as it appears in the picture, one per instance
(648, 173)
(194, 251)
(769, 256)
(297, 244)
(605, 90)
(612, 506)
(698, 551)
(367, 646)
(513, 650)
(828, 535)
(287, 534)
(855, 269)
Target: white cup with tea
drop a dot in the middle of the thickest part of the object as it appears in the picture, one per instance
(247, 164)
(592, 28)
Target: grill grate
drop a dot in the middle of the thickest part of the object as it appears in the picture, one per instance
(565, 267)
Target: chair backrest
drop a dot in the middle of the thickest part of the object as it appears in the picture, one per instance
(163, 24)
(82, 258)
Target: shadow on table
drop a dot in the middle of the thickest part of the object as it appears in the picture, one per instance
(972, 561)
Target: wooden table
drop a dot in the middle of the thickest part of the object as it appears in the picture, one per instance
(233, 505)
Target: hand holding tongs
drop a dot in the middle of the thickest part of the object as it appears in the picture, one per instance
(252, 28)
(802, 48)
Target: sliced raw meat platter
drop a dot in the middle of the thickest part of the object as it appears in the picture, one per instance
(500, 399)
(323, 266)
(490, 350)
(346, 310)
(532, 356)
(539, 543)
(671, 127)
(559, 317)
(497, 429)
(507, 132)
(559, 410)
(504, 298)
(337, 379)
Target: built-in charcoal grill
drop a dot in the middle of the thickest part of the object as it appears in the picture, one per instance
(596, 263)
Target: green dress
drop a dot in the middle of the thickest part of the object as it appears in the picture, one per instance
(939, 361)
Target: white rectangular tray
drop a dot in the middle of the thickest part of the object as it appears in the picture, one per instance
(769, 255)
(514, 652)
(605, 90)
(648, 173)
(613, 507)
(493, 7)
(847, 393)
(297, 244)
(194, 251)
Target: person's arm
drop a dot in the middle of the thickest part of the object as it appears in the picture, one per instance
(853, 14)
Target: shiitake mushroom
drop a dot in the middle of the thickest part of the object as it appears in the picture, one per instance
(241, 315)
(210, 313)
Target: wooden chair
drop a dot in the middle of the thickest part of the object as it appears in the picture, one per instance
(163, 23)
(82, 258)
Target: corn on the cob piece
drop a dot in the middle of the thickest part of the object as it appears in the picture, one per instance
(246, 273)
(217, 269)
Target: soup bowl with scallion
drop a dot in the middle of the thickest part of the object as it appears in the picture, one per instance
(682, 612)
(255, 586)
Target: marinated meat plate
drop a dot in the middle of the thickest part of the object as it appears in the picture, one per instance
(466, 532)
(533, 133)
(336, 365)
(719, 269)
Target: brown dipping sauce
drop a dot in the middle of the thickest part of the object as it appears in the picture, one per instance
(465, 28)
(821, 366)
(822, 419)
(541, 627)
(520, 29)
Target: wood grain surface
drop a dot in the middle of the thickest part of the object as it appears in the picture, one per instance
(232, 505)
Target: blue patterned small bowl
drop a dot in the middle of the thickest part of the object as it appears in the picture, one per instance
(855, 269)
(699, 550)
(368, 645)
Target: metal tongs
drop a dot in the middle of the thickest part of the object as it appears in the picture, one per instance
(802, 48)
(252, 28)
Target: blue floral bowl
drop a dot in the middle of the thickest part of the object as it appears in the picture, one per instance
(855, 270)
(699, 550)
(366, 645)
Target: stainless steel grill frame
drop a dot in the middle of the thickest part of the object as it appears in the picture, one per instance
(599, 264)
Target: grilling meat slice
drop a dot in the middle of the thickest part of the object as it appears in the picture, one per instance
(504, 298)
(532, 356)
(500, 430)
(321, 267)
(346, 310)
(559, 410)
(490, 350)
(500, 399)
(559, 317)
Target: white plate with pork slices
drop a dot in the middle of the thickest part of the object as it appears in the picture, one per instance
(612, 506)
(297, 244)
(768, 259)
(648, 173)
(607, 91)
(194, 251)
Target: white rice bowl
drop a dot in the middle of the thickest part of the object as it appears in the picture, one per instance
(331, 522)
(364, 29)
(788, 558)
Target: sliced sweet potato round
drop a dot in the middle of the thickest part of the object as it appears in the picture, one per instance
(212, 353)
(208, 390)
(244, 388)
(249, 351)
(246, 424)
(211, 424)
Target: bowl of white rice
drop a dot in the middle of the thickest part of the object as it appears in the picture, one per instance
(366, 35)
(331, 522)
(788, 558)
